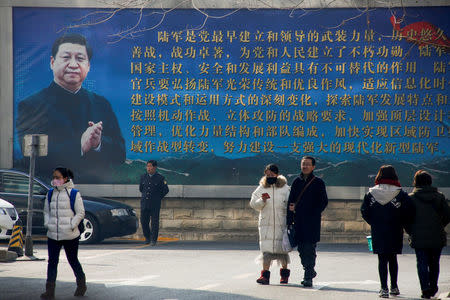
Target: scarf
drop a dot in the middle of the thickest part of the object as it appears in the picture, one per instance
(388, 181)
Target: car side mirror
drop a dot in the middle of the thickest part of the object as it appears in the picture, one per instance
(43, 191)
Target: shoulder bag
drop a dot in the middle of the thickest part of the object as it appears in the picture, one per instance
(291, 228)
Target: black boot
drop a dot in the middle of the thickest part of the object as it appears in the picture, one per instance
(264, 278)
(307, 282)
(426, 294)
(81, 287)
(49, 291)
(284, 274)
(308, 277)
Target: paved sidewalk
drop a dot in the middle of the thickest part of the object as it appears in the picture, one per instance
(127, 269)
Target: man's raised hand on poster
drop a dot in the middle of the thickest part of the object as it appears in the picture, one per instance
(92, 137)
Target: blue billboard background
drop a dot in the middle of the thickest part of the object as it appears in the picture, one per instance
(35, 30)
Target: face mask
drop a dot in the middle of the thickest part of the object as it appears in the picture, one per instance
(57, 182)
(271, 180)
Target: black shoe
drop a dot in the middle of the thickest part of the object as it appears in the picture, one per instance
(153, 243)
(307, 283)
(147, 241)
(308, 277)
(81, 287)
(384, 293)
(49, 291)
(394, 291)
(433, 291)
(426, 294)
(309, 274)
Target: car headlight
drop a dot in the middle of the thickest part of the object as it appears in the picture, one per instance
(119, 212)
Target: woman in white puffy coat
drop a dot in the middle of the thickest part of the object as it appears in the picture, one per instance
(62, 230)
(270, 198)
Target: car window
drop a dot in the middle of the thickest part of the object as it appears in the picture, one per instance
(18, 184)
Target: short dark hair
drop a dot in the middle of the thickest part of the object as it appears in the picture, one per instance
(272, 167)
(422, 178)
(153, 162)
(313, 161)
(386, 172)
(65, 172)
(73, 38)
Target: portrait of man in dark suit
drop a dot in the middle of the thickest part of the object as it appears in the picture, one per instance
(83, 131)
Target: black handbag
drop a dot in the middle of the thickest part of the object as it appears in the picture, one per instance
(81, 226)
(291, 236)
(291, 228)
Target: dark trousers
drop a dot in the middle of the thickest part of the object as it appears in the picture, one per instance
(428, 268)
(307, 252)
(383, 261)
(150, 232)
(71, 249)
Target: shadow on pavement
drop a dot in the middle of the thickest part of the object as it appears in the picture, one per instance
(113, 244)
(167, 245)
(363, 248)
(346, 290)
(20, 288)
(245, 245)
(328, 288)
(349, 290)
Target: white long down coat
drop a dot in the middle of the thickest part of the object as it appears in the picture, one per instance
(272, 213)
(60, 221)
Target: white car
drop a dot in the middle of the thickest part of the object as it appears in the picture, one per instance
(8, 216)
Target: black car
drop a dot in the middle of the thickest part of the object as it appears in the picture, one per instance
(103, 219)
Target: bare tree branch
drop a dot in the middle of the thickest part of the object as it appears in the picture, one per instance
(137, 28)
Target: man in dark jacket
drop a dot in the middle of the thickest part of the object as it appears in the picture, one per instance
(83, 131)
(427, 232)
(307, 199)
(153, 187)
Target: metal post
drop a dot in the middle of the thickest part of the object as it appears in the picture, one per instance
(28, 239)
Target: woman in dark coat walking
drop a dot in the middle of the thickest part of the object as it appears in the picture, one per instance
(427, 232)
(386, 208)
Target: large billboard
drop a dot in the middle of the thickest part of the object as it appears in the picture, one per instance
(216, 95)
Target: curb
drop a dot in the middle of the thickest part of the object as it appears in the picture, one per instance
(7, 256)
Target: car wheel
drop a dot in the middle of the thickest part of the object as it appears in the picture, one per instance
(91, 232)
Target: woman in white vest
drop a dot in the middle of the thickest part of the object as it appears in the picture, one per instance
(62, 230)
(270, 198)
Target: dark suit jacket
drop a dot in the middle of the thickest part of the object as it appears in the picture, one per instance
(153, 189)
(308, 212)
(64, 116)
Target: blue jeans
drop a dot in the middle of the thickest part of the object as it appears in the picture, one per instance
(71, 249)
(428, 267)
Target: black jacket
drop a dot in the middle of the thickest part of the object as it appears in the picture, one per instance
(308, 213)
(64, 116)
(153, 189)
(431, 216)
(387, 221)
